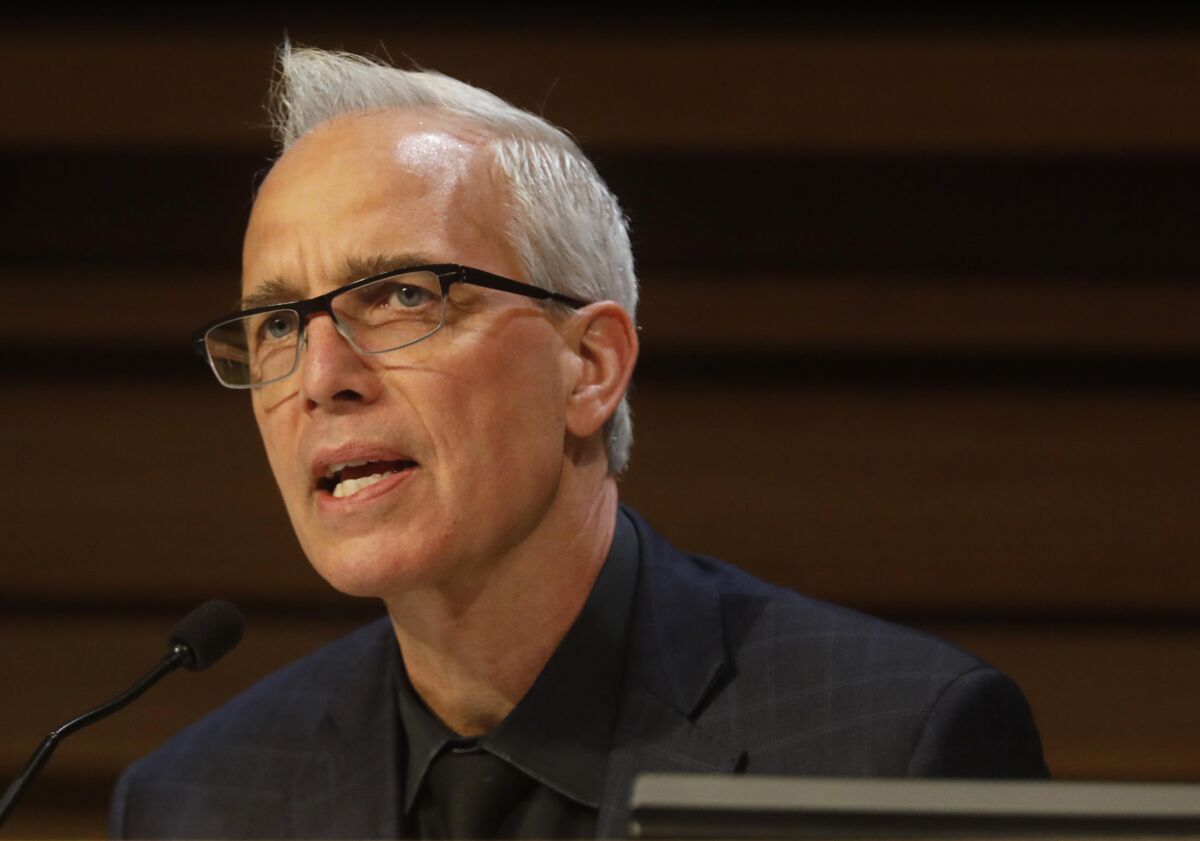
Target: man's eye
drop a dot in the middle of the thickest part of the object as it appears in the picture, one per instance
(408, 296)
(276, 327)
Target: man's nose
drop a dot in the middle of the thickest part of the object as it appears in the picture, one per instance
(333, 375)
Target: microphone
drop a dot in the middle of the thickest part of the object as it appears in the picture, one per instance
(201, 638)
(207, 634)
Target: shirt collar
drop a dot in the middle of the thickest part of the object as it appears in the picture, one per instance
(561, 731)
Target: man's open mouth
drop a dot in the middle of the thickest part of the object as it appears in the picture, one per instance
(344, 480)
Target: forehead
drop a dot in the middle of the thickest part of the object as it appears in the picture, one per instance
(421, 143)
(383, 182)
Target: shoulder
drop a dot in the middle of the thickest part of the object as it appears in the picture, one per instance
(873, 697)
(243, 749)
(288, 703)
(768, 625)
(760, 618)
(812, 687)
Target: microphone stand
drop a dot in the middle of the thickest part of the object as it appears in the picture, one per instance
(176, 657)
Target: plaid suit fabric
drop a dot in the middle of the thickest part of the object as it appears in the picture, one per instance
(729, 674)
(309, 752)
(724, 673)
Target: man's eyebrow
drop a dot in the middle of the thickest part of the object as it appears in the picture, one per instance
(356, 268)
(277, 290)
(273, 291)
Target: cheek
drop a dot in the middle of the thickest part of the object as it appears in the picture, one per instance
(273, 430)
(508, 415)
(520, 414)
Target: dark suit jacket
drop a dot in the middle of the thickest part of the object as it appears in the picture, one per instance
(724, 674)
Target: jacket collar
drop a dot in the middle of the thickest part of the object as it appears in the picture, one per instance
(676, 659)
(349, 787)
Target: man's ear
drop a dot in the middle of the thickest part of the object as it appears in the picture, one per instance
(605, 344)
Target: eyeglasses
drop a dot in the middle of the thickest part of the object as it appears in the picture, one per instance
(377, 314)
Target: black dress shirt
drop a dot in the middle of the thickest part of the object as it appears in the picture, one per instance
(540, 772)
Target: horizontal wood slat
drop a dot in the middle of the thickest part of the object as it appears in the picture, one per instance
(73, 810)
(1110, 703)
(946, 315)
(958, 502)
(823, 213)
(782, 87)
(689, 312)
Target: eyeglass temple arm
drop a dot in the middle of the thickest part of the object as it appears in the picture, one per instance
(478, 277)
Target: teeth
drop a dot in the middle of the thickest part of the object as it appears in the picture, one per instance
(348, 487)
(334, 469)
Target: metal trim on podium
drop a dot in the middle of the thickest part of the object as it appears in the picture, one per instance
(712, 806)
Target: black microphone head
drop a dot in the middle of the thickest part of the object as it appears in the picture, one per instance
(209, 633)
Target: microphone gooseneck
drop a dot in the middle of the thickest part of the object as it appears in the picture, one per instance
(201, 638)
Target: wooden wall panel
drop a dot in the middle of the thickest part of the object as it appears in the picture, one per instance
(951, 503)
(687, 312)
(76, 662)
(962, 502)
(156, 492)
(891, 313)
(1109, 700)
(64, 665)
(794, 87)
(810, 213)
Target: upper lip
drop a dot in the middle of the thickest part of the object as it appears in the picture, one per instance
(327, 461)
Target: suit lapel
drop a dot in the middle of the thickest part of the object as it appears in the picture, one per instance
(349, 787)
(676, 657)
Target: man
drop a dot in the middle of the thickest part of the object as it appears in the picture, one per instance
(437, 332)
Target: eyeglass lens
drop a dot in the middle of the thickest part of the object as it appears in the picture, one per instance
(383, 315)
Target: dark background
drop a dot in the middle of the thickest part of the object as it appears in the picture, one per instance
(920, 313)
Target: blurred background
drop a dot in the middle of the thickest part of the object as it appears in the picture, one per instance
(920, 315)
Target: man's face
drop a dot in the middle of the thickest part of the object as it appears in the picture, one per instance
(467, 427)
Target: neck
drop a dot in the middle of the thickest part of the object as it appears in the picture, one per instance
(473, 649)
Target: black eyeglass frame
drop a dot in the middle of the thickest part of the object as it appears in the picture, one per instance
(447, 274)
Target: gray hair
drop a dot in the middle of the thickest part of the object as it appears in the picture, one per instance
(566, 225)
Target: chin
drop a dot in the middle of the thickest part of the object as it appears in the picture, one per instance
(359, 568)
